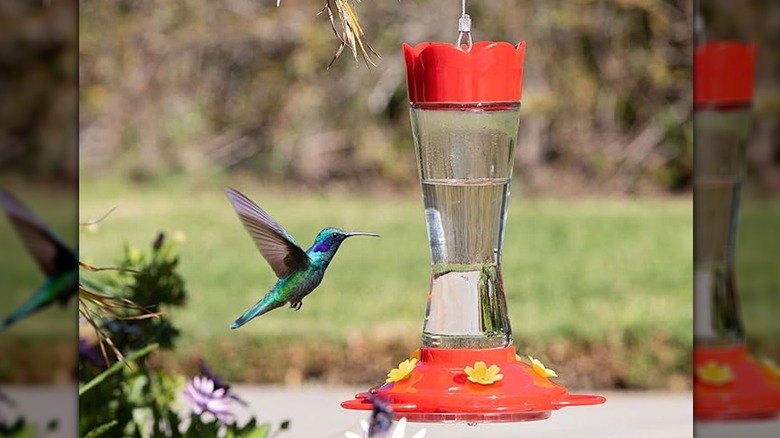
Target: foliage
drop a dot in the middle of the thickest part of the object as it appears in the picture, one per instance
(38, 73)
(201, 86)
(18, 429)
(133, 398)
(155, 286)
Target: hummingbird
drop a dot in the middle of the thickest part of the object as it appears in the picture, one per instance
(56, 260)
(299, 271)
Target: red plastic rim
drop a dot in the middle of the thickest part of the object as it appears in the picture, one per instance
(724, 74)
(442, 72)
(438, 390)
(750, 393)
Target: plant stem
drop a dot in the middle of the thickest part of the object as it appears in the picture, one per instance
(116, 366)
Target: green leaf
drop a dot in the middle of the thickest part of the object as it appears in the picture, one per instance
(20, 429)
(100, 430)
(116, 367)
(174, 421)
(258, 432)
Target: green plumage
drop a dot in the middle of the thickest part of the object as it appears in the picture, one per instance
(299, 271)
(57, 261)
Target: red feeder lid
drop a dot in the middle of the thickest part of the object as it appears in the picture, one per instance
(442, 72)
(724, 74)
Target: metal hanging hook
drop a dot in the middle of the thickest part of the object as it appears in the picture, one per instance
(699, 28)
(464, 28)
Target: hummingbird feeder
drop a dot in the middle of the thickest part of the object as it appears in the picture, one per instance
(465, 106)
(729, 384)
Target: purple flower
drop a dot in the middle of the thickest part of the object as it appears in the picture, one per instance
(90, 353)
(7, 400)
(218, 382)
(206, 398)
(381, 417)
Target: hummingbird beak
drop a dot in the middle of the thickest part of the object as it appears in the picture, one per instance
(359, 233)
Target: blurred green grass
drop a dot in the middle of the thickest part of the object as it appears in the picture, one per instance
(590, 270)
(757, 263)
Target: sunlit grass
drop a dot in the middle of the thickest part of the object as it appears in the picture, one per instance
(591, 269)
(757, 260)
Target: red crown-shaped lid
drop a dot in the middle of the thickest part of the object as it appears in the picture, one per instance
(442, 72)
(724, 73)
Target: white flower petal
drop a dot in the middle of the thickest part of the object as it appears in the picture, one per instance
(400, 429)
(364, 426)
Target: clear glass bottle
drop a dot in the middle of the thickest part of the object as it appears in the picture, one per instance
(465, 154)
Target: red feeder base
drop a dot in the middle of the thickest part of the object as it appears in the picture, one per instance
(744, 390)
(438, 390)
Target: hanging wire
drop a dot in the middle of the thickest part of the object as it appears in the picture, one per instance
(464, 27)
(699, 32)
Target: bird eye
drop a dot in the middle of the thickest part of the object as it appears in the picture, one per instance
(334, 234)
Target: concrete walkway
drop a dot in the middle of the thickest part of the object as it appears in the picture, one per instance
(315, 413)
(739, 429)
(40, 405)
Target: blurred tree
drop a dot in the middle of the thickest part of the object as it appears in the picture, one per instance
(38, 131)
(194, 86)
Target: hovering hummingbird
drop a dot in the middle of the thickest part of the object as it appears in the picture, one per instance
(299, 271)
(56, 260)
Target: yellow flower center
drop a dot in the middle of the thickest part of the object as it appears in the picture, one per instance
(714, 373)
(482, 374)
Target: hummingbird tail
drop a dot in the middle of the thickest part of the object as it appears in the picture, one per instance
(26, 310)
(59, 289)
(265, 305)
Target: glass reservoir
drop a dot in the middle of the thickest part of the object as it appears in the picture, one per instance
(722, 136)
(465, 156)
(729, 383)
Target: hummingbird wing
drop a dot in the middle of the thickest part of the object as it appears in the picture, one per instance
(274, 243)
(52, 256)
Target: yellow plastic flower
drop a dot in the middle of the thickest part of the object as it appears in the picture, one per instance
(415, 354)
(483, 375)
(770, 368)
(518, 358)
(402, 372)
(540, 369)
(714, 373)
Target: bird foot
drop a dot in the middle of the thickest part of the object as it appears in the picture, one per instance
(296, 305)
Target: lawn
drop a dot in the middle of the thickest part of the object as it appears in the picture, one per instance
(757, 263)
(613, 273)
(592, 284)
